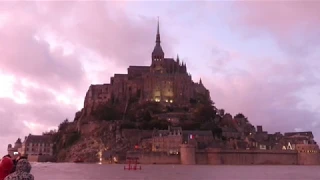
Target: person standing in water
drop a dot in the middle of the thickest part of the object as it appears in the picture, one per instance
(22, 171)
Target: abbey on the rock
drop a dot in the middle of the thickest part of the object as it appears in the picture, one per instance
(165, 80)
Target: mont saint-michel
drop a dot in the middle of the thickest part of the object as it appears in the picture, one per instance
(158, 114)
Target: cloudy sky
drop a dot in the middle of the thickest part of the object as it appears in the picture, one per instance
(258, 58)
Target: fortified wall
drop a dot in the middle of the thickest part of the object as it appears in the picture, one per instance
(247, 157)
(155, 157)
(40, 158)
(304, 155)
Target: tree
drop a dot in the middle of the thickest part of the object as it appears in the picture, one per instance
(158, 124)
(72, 138)
(193, 101)
(107, 112)
(169, 109)
(239, 115)
(221, 112)
(208, 126)
(51, 132)
(203, 99)
(189, 125)
(128, 125)
(63, 125)
(217, 132)
(147, 116)
(204, 113)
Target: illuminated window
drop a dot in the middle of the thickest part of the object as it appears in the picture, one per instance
(191, 136)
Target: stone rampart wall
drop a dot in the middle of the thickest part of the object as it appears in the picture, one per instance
(247, 157)
(155, 157)
(309, 158)
(229, 157)
(308, 154)
(40, 158)
(201, 157)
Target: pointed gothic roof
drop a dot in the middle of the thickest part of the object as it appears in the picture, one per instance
(158, 49)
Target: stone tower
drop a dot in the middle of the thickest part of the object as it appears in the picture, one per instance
(157, 55)
(188, 154)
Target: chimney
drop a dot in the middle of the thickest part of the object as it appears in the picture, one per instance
(259, 129)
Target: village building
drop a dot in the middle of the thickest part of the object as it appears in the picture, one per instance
(167, 140)
(15, 150)
(170, 140)
(37, 145)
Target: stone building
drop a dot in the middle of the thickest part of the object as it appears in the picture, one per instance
(170, 140)
(292, 139)
(165, 80)
(37, 145)
(167, 140)
(201, 139)
(16, 149)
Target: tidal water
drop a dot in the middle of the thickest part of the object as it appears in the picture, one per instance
(71, 171)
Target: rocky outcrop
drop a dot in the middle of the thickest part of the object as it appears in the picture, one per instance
(86, 149)
(96, 137)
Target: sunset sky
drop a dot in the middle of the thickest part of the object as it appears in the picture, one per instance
(258, 58)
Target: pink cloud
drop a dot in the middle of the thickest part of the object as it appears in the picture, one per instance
(41, 112)
(266, 93)
(111, 32)
(294, 24)
(261, 89)
(100, 28)
(270, 90)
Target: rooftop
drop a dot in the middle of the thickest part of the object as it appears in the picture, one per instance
(37, 139)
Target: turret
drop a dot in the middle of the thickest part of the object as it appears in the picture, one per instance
(18, 143)
(178, 61)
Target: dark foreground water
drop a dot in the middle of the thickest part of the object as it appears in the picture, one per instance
(70, 171)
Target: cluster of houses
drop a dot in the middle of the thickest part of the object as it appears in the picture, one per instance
(40, 147)
(169, 140)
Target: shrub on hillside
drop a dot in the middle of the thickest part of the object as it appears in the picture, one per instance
(190, 125)
(128, 125)
(107, 112)
(158, 124)
(72, 138)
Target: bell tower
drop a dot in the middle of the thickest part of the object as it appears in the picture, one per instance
(157, 55)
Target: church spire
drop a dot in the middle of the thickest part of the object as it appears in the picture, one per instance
(157, 53)
(158, 41)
